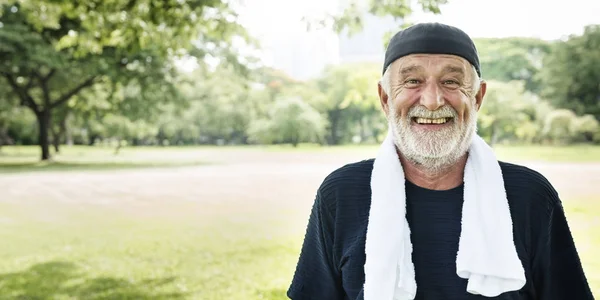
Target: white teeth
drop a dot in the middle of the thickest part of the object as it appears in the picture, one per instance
(432, 121)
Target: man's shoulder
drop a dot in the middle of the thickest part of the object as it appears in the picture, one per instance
(516, 173)
(349, 176)
(522, 182)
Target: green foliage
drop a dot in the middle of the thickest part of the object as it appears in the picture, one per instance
(117, 126)
(509, 113)
(505, 109)
(362, 86)
(351, 102)
(137, 97)
(20, 125)
(291, 120)
(571, 73)
(86, 27)
(509, 59)
(558, 125)
(219, 106)
(52, 51)
(586, 129)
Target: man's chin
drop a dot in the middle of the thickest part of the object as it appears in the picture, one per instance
(433, 145)
(432, 151)
(432, 154)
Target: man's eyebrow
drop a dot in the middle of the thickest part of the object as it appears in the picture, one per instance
(453, 69)
(410, 69)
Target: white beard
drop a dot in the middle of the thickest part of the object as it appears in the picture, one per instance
(433, 150)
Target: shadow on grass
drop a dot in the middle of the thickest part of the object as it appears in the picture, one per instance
(65, 280)
(14, 167)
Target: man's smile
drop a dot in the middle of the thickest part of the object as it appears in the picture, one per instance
(431, 121)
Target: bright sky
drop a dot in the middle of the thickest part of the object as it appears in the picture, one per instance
(277, 24)
(546, 19)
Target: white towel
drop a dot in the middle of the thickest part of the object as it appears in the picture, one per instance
(486, 256)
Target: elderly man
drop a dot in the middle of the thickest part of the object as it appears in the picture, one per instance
(435, 215)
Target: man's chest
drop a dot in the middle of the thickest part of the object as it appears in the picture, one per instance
(435, 234)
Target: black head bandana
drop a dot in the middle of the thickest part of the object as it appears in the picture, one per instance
(431, 38)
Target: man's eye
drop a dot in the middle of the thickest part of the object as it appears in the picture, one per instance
(412, 81)
(450, 82)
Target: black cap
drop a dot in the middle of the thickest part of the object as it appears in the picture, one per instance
(431, 38)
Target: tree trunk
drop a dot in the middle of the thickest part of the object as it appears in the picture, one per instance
(4, 138)
(56, 143)
(55, 140)
(92, 139)
(57, 136)
(43, 112)
(119, 145)
(334, 116)
(43, 118)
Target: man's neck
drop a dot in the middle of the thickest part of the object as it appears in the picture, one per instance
(442, 179)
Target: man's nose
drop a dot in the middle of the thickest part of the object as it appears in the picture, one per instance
(432, 96)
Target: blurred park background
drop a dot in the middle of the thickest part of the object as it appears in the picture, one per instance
(171, 149)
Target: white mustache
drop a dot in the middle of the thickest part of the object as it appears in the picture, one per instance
(422, 112)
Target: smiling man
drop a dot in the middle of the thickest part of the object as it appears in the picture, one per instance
(435, 215)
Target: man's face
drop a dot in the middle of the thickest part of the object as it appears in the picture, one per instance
(432, 108)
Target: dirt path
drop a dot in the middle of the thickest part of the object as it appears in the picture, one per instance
(240, 177)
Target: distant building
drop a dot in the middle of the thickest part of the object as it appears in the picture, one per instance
(303, 55)
(367, 45)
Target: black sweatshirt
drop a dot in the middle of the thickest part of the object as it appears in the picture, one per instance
(331, 262)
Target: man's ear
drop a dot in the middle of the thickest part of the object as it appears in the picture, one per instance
(383, 99)
(480, 94)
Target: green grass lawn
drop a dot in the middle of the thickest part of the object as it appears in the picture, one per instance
(96, 253)
(100, 253)
(78, 158)
(584, 223)
(575, 153)
(26, 158)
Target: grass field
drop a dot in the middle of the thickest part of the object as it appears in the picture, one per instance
(199, 223)
(26, 158)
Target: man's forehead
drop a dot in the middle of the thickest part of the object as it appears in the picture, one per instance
(431, 61)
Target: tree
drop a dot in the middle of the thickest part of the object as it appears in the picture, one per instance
(586, 129)
(558, 126)
(571, 73)
(219, 104)
(334, 84)
(291, 120)
(19, 125)
(513, 59)
(51, 51)
(121, 130)
(6, 110)
(350, 102)
(506, 109)
(362, 96)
